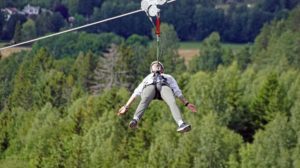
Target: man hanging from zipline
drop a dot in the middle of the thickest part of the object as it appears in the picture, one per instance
(158, 85)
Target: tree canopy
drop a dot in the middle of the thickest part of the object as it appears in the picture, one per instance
(248, 103)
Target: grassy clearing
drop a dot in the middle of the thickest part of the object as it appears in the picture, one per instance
(190, 45)
(2, 44)
(234, 47)
(198, 45)
(188, 50)
(8, 52)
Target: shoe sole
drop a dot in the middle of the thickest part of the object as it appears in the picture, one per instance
(185, 129)
(133, 125)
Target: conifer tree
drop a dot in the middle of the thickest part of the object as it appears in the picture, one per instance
(272, 147)
(107, 73)
(266, 104)
(211, 55)
(82, 69)
(18, 33)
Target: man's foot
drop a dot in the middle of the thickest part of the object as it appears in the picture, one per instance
(184, 128)
(133, 123)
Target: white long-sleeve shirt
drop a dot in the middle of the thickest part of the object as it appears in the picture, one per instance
(148, 80)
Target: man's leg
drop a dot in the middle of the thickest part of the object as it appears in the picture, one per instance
(147, 95)
(168, 96)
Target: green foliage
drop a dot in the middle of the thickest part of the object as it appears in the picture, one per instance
(221, 93)
(244, 58)
(52, 87)
(2, 22)
(82, 69)
(18, 33)
(8, 70)
(193, 20)
(136, 39)
(211, 55)
(210, 147)
(228, 56)
(22, 95)
(266, 104)
(71, 5)
(44, 141)
(47, 22)
(49, 118)
(296, 116)
(85, 7)
(43, 24)
(208, 20)
(6, 123)
(28, 30)
(295, 125)
(162, 152)
(296, 154)
(78, 42)
(78, 153)
(277, 5)
(278, 44)
(57, 22)
(26, 78)
(123, 26)
(15, 124)
(14, 162)
(272, 147)
(243, 24)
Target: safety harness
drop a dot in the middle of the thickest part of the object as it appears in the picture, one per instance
(159, 81)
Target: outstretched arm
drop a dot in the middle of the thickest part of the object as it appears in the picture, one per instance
(125, 108)
(178, 93)
(137, 92)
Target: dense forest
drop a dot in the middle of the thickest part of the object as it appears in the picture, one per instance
(58, 111)
(237, 21)
(59, 102)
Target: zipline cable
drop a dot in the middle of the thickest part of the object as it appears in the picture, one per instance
(73, 29)
(148, 6)
(80, 27)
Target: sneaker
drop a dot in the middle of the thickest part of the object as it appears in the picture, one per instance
(133, 123)
(184, 128)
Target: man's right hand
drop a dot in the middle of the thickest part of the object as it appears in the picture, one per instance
(123, 110)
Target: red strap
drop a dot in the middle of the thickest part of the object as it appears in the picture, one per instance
(157, 32)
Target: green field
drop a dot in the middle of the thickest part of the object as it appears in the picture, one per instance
(2, 44)
(190, 45)
(198, 45)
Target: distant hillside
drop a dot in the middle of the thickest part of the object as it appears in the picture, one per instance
(194, 20)
(62, 111)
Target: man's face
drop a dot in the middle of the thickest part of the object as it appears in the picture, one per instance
(156, 67)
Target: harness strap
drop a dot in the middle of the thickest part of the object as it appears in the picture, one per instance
(157, 32)
(158, 85)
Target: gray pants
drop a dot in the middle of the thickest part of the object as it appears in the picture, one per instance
(167, 95)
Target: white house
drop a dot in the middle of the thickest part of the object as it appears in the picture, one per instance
(250, 5)
(31, 10)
